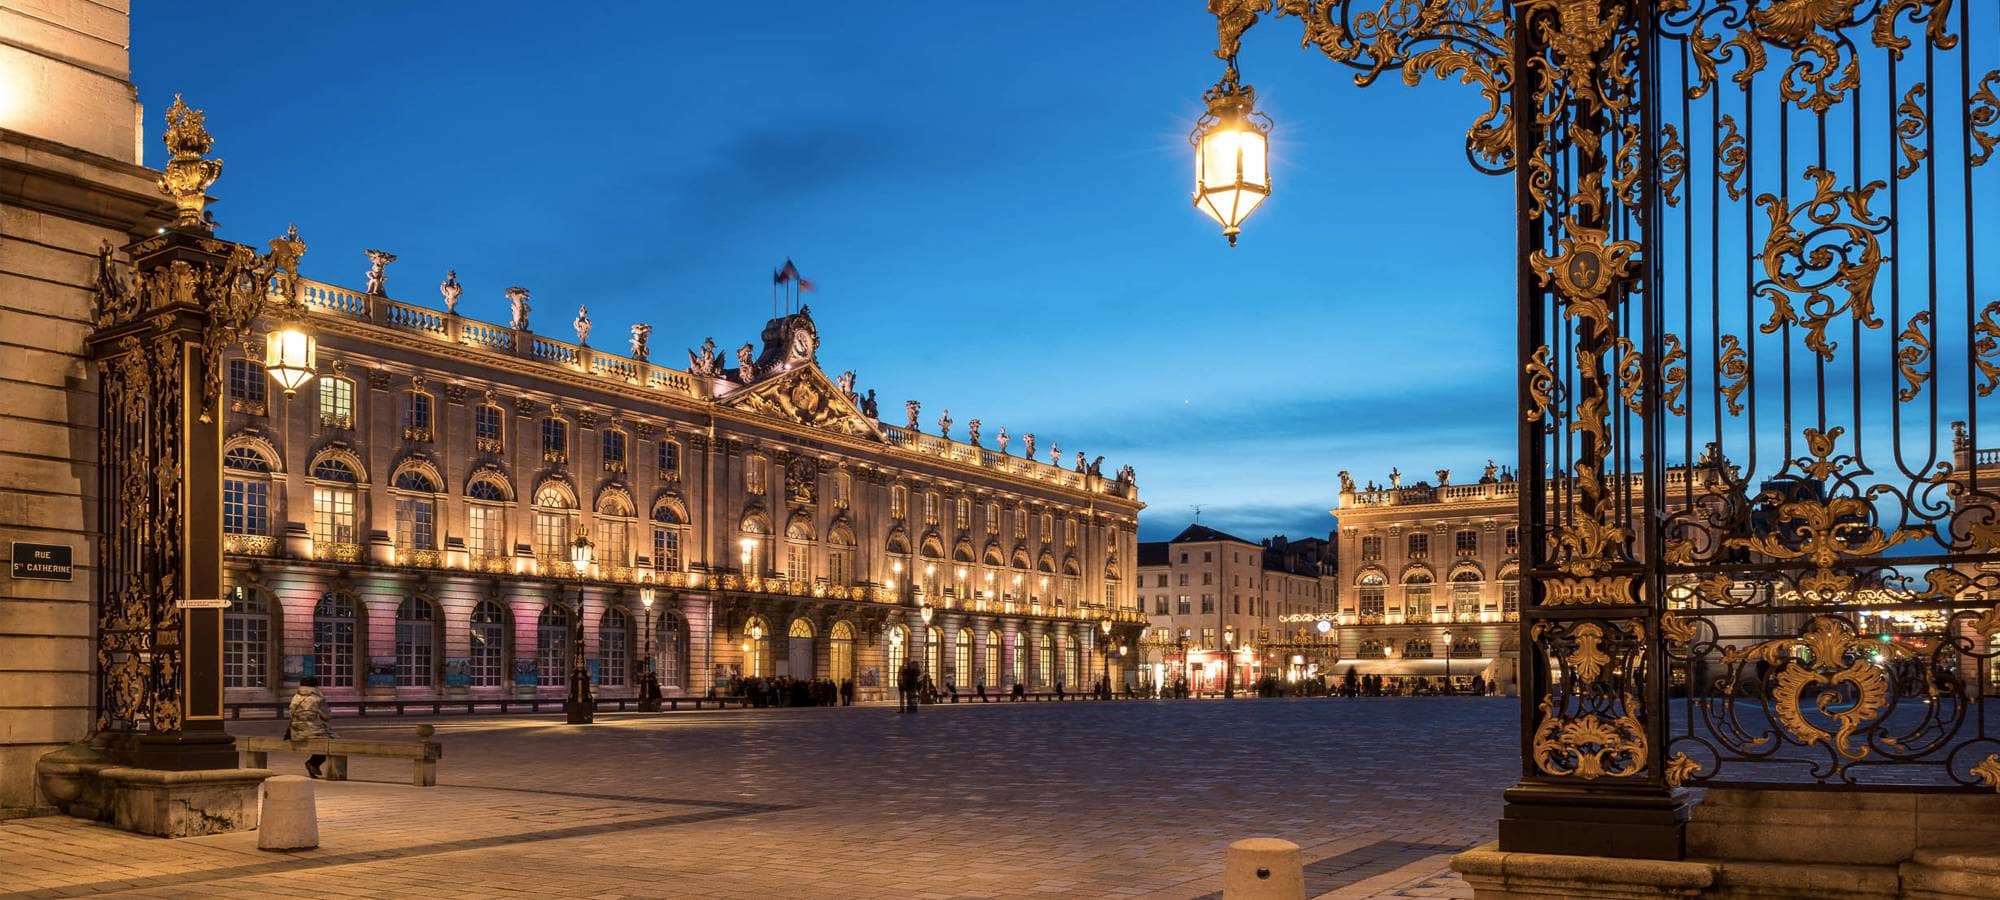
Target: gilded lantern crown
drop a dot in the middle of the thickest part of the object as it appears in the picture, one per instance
(188, 173)
(1232, 173)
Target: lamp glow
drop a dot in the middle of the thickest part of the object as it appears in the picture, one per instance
(291, 356)
(1232, 174)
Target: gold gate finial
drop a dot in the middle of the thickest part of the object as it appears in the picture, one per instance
(188, 173)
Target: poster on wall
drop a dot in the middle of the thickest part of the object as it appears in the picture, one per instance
(458, 671)
(381, 671)
(524, 673)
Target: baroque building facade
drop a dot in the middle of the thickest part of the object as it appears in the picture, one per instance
(401, 527)
(1430, 583)
(1218, 606)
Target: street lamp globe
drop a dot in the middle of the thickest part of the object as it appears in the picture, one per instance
(1232, 173)
(646, 595)
(580, 554)
(926, 612)
(1105, 625)
(290, 355)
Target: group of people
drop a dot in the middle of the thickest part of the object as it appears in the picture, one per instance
(1378, 686)
(785, 690)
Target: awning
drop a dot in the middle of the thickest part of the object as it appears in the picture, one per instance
(1461, 667)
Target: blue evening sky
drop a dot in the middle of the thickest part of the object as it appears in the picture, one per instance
(992, 198)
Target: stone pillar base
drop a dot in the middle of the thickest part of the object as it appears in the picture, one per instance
(1931, 875)
(85, 782)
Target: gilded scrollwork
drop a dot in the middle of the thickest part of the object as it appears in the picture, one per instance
(1542, 385)
(1827, 243)
(1631, 376)
(1982, 111)
(1988, 771)
(1589, 723)
(1734, 366)
(1733, 151)
(1673, 374)
(1673, 164)
(1986, 348)
(1467, 39)
(1911, 124)
(1824, 531)
(1680, 769)
(1913, 352)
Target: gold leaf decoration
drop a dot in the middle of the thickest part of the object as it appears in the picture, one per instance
(1911, 123)
(1986, 347)
(1673, 164)
(1912, 352)
(1793, 267)
(1983, 111)
(1673, 374)
(1988, 771)
(1679, 630)
(1589, 659)
(1680, 768)
(1541, 384)
(1734, 152)
(1735, 369)
(1631, 376)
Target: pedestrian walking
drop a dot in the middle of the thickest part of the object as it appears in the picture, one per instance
(908, 681)
(309, 719)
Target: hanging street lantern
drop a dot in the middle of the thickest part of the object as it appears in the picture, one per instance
(291, 354)
(1232, 174)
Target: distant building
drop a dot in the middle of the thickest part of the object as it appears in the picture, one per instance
(1215, 601)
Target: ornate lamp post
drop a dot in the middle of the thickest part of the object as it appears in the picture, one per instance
(649, 683)
(1228, 662)
(580, 708)
(1447, 661)
(925, 612)
(1104, 628)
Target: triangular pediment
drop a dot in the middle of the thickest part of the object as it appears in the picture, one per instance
(803, 395)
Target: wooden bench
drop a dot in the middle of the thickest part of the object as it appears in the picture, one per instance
(254, 753)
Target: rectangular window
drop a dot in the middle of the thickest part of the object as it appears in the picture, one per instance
(839, 566)
(1510, 597)
(1160, 605)
(1371, 548)
(1208, 603)
(417, 417)
(670, 459)
(899, 502)
(843, 484)
(613, 542)
(964, 510)
(798, 561)
(333, 515)
(1048, 528)
(1069, 535)
(992, 518)
(555, 441)
(753, 475)
(1020, 523)
(1420, 545)
(552, 536)
(246, 507)
(1208, 578)
(416, 527)
(1208, 637)
(611, 641)
(486, 428)
(1513, 541)
(1373, 604)
(930, 508)
(483, 532)
(246, 386)
(552, 654)
(336, 403)
(614, 451)
(667, 549)
(1466, 542)
(1184, 579)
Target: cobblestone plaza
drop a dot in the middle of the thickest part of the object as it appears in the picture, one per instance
(1133, 798)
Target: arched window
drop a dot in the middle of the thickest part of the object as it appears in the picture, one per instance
(753, 548)
(1416, 596)
(416, 509)
(334, 530)
(1465, 596)
(333, 639)
(488, 665)
(961, 671)
(1371, 588)
(1510, 593)
(934, 654)
(840, 557)
(246, 639)
(802, 656)
(756, 648)
(989, 669)
(1073, 663)
(672, 658)
(246, 493)
(899, 643)
(614, 648)
(416, 643)
(552, 647)
(1017, 661)
(799, 549)
(486, 518)
(669, 535)
(1045, 661)
(841, 652)
(555, 509)
(614, 529)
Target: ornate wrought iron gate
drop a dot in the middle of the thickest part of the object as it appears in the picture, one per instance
(1757, 334)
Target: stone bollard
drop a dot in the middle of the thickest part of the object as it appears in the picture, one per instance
(289, 820)
(1263, 869)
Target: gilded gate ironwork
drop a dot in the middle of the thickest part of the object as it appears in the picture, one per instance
(1762, 534)
(159, 340)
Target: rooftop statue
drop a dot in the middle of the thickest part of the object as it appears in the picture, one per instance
(378, 276)
(912, 407)
(518, 297)
(642, 336)
(451, 291)
(704, 364)
(746, 363)
(582, 325)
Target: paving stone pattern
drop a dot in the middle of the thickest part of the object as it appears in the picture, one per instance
(1128, 799)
